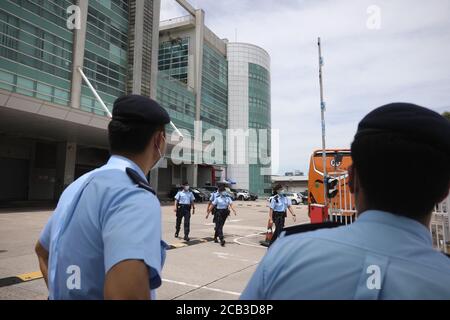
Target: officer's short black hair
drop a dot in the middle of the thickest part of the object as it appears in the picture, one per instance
(130, 137)
(401, 172)
(277, 187)
(135, 119)
(221, 187)
(185, 183)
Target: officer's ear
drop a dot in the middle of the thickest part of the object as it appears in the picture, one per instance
(352, 179)
(160, 139)
(444, 195)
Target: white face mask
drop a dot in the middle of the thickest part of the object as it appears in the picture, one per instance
(186, 188)
(161, 159)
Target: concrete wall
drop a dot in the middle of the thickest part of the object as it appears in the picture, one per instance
(204, 176)
(295, 186)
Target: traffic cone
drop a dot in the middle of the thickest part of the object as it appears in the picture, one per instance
(269, 234)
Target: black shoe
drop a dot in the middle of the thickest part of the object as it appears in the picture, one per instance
(216, 240)
(222, 243)
(186, 238)
(176, 235)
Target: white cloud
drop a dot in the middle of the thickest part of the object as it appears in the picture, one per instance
(408, 59)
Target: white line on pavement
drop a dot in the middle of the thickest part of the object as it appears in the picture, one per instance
(202, 287)
(248, 244)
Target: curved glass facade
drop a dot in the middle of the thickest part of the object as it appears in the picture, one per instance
(259, 118)
(249, 109)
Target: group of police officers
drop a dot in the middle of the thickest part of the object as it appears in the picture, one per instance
(103, 240)
(219, 205)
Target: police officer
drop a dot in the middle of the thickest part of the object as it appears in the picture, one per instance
(279, 204)
(184, 201)
(211, 209)
(222, 203)
(103, 241)
(387, 253)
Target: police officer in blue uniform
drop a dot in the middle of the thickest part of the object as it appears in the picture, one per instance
(103, 240)
(211, 209)
(184, 201)
(279, 204)
(222, 203)
(387, 253)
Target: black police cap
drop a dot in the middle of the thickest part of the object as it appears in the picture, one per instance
(409, 120)
(139, 109)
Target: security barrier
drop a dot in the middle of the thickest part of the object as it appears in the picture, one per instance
(440, 226)
(341, 208)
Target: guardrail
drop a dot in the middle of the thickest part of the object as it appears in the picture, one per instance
(440, 226)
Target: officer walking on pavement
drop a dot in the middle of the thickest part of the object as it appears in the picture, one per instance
(279, 204)
(387, 253)
(222, 203)
(212, 209)
(184, 201)
(103, 240)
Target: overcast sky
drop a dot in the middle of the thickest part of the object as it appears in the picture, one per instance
(406, 59)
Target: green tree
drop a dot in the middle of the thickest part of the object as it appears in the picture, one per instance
(447, 115)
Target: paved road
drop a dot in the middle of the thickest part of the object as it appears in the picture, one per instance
(200, 269)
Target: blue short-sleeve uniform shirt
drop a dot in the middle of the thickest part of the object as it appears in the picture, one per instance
(281, 205)
(380, 256)
(213, 196)
(222, 202)
(184, 197)
(102, 219)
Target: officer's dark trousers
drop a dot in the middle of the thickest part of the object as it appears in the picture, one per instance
(220, 216)
(183, 211)
(278, 219)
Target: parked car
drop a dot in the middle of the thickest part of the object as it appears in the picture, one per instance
(305, 196)
(296, 198)
(214, 189)
(172, 192)
(253, 196)
(205, 191)
(231, 193)
(199, 196)
(210, 188)
(241, 194)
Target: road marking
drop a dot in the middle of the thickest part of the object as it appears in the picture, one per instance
(25, 277)
(178, 245)
(228, 256)
(202, 287)
(30, 276)
(236, 240)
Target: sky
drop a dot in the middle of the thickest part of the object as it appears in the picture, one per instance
(375, 52)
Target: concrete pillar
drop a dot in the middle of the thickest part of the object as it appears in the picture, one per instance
(79, 38)
(138, 46)
(66, 156)
(199, 39)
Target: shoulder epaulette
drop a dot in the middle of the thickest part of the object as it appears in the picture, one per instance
(311, 227)
(136, 178)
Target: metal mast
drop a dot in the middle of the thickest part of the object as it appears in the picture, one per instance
(322, 113)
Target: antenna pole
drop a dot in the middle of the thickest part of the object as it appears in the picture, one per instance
(322, 113)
